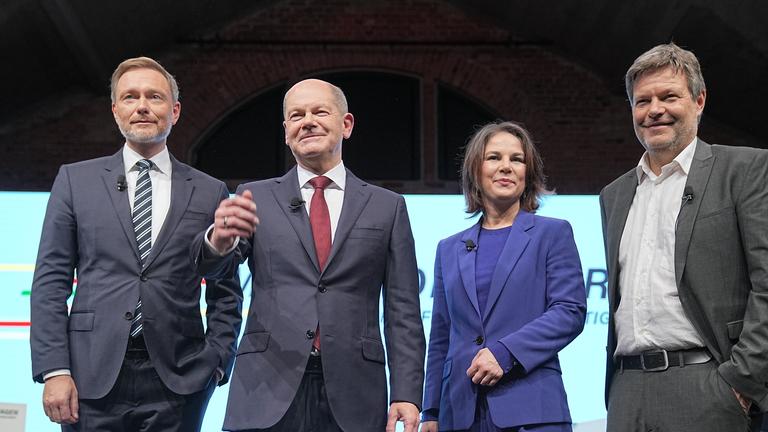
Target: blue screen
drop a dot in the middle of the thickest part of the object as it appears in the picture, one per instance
(433, 217)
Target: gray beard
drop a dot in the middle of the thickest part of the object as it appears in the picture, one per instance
(146, 138)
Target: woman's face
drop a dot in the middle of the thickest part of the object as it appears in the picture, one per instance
(502, 173)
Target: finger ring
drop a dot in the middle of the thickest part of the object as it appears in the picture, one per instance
(225, 221)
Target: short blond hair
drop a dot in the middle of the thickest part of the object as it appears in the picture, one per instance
(142, 63)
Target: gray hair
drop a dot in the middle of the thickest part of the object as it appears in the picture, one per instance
(667, 56)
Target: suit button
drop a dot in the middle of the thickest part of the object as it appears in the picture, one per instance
(310, 334)
(322, 288)
(479, 340)
(143, 278)
(128, 315)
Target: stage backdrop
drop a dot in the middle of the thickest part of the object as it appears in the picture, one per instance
(433, 217)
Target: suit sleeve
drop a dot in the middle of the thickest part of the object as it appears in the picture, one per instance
(214, 267)
(57, 258)
(439, 336)
(224, 299)
(541, 339)
(747, 368)
(403, 330)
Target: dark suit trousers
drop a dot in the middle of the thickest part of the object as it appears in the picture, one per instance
(693, 398)
(139, 401)
(309, 411)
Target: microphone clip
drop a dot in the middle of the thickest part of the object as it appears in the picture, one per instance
(471, 246)
(296, 204)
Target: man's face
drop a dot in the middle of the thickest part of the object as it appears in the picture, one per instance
(314, 125)
(144, 108)
(664, 112)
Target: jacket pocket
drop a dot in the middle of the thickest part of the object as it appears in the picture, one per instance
(373, 350)
(253, 342)
(81, 321)
(734, 329)
(447, 368)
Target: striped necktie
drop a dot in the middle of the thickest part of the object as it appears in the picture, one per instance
(142, 226)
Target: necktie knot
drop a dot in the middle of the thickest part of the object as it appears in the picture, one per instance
(320, 182)
(144, 164)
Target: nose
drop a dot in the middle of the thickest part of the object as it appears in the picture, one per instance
(505, 165)
(143, 106)
(656, 108)
(308, 121)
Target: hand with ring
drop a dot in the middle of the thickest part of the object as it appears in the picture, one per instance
(235, 217)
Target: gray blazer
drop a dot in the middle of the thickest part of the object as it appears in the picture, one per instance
(721, 260)
(88, 228)
(372, 252)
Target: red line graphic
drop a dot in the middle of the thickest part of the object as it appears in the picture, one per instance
(14, 323)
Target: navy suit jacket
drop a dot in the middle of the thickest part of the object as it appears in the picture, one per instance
(88, 228)
(536, 306)
(372, 255)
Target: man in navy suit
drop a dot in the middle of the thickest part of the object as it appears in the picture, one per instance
(327, 247)
(131, 354)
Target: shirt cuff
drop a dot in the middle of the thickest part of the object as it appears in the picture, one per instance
(57, 372)
(505, 359)
(212, 249)
(431, 414)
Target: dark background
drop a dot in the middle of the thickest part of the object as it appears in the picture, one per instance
(420, 75)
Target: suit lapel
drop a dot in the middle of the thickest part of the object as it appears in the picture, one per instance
(619, 204)
(698, 177)
(516, 243)
(467, 264)
(113, 169)
(285, 190)
(356, 196)
(181, 193)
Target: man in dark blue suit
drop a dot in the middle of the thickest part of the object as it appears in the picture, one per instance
(131, 354)
(328, 246)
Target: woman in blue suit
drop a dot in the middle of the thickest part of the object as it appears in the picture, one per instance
(508, 296)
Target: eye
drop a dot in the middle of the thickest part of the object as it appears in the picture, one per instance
(492, 157)
(322, 113)
(295, 117)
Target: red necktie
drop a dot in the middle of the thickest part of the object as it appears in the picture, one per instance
(320, 220)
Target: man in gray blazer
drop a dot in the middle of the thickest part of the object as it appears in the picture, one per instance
(131, 354)
(327, 247)
(686, 238)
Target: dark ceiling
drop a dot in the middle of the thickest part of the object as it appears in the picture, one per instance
(55, 48)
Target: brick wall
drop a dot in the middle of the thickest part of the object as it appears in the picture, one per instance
(581, 123)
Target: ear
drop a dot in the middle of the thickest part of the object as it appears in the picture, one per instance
(285, 131)
(176, 111)
(700, 101)
(349, 123)
(114, 110)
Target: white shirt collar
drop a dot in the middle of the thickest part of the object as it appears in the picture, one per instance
(337, 174)
(682, 160)
(161, 160)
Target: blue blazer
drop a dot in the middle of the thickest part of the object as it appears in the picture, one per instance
(536, 306)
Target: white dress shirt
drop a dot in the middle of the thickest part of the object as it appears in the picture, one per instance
(650, 314)
(334, 193)
(160, 174)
